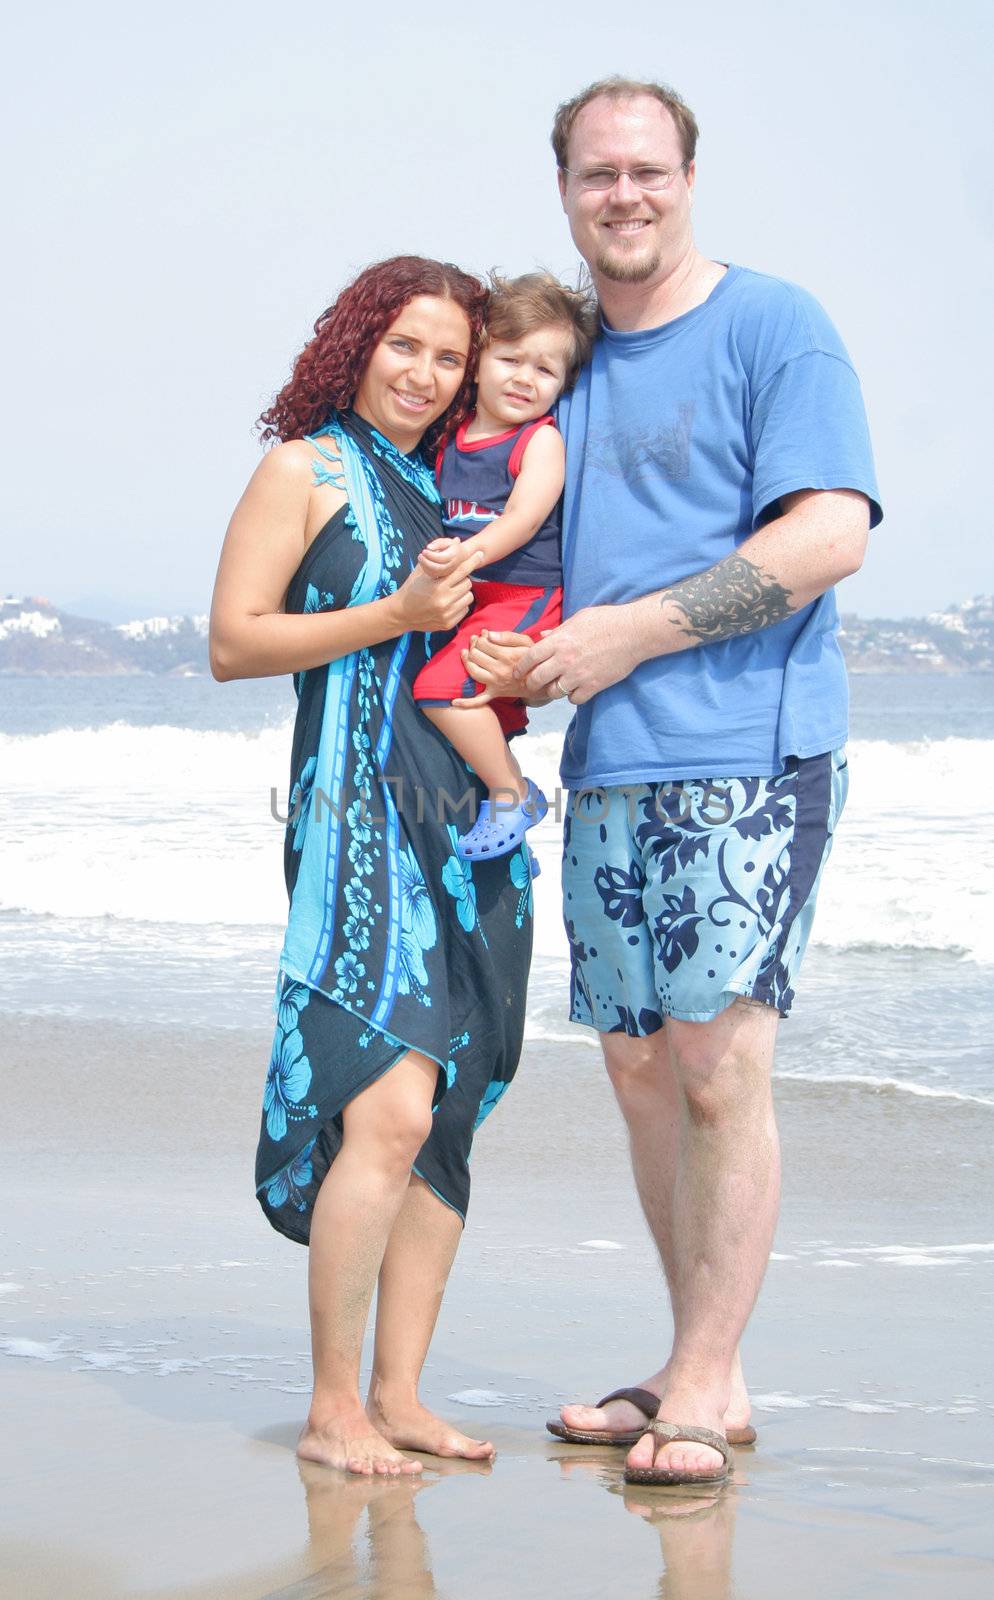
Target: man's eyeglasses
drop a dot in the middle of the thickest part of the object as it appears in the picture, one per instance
(650, 178)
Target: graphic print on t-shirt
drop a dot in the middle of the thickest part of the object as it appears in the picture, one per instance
(633, 452)
(469, 512)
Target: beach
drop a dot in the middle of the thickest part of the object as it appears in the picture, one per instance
(153, 1333)
(155, 1364)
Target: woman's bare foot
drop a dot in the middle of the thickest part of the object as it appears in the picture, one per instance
(408, 1424)
(349, 1442)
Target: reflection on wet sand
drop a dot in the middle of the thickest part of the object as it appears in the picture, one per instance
(366, 1541)
(385, 1552)
(695, 1526)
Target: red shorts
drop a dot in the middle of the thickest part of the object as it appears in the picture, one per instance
(503, 608)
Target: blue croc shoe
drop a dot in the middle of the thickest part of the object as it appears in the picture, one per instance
(499, 829)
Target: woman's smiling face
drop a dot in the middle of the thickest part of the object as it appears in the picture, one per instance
(415, 370)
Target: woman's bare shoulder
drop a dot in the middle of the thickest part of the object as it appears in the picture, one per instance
(287, 465)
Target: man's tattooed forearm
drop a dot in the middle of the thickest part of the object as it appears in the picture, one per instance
(731, 598)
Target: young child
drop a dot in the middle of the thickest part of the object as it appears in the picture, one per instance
(501, 481)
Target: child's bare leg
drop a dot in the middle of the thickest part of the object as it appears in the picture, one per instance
(479, 739)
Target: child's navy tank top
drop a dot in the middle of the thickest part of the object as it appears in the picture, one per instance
(475, 479)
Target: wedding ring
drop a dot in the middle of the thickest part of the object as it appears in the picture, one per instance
(560, 691)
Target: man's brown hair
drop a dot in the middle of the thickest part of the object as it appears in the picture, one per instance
(623, 89)
(538, 300)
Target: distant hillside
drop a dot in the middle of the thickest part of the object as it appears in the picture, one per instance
(960, 639)
(36, 637)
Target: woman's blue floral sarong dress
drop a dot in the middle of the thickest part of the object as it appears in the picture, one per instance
(393, 943)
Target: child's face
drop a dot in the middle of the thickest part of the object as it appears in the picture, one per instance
(522, 378)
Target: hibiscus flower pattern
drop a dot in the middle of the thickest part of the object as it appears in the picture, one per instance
(290, 1183)
(287, 1083)
(521, 877)
(292, 1001)
(300, 801)
(363, 827)
(676, 928)
(698, 886)
(637, 1027)
(419, 931)
(493, 1093)
(393, 943)
(457, 876)
(620, 889)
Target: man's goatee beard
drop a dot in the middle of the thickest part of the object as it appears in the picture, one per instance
(621, 271)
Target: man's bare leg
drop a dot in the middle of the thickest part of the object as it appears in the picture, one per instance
(356, 1208)
(419, 1255)
(725, 1204)
(647, 1093)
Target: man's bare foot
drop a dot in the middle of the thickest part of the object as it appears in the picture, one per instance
(696, 1460)
(412, 1427)
(620, 1416)
(349, 1442)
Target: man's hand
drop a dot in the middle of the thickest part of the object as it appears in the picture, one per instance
(593, 649)
(441, 557)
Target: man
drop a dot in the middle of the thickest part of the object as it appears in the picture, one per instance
(719, 483)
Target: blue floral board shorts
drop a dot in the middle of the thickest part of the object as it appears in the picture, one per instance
(679, 897)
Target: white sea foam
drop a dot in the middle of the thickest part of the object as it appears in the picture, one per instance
(537, 1033)
(103, 1361)
(34, 1349)
(166, 824)
(875, 1450)
(863, 1407)
(914, 1255)
(481, 1397)
(903, 1085)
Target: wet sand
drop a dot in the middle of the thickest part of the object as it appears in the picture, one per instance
(153, 1352)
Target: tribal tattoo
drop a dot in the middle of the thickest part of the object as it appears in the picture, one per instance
(731, 598)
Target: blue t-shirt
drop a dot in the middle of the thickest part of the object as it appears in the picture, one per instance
(679, 442)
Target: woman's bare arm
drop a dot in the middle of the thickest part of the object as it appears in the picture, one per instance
(251, 636)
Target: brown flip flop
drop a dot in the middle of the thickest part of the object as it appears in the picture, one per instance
(670, 1432)
(646, 1402)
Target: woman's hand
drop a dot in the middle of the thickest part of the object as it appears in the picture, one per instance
(491, 660)
(440, 558)
(434, 605)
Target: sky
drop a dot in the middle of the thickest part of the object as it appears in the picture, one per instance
(187, 188)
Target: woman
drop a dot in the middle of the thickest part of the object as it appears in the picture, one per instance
(400, 995)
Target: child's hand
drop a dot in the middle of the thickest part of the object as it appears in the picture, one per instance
(491, 659)
(440, 557)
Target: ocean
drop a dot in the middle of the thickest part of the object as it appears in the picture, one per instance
(141, 873)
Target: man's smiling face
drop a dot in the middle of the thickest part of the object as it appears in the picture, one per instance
(627, 234)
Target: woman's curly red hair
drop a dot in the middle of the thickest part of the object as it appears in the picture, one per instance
(327, 373)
